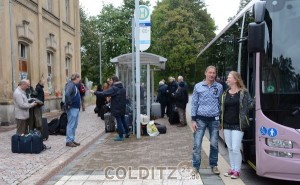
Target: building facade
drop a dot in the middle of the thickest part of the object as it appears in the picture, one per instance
(40, 39)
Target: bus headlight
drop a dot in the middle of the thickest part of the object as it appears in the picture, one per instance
(279, 143)
(280, 154)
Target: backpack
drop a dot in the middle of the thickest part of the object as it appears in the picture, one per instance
(53, 126)
(63, 121)
(81, 89)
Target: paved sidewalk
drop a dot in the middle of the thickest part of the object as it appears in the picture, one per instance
(164, 159)
(149, 160)
(38, 168)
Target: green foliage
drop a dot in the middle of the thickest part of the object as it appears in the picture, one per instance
(113, 27)
(180, 28)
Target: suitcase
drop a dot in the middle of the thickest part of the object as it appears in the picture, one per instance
(162, 129)
(45, 129)
(174, 118)
(30, 143)
(129, 122)
(156, 109)
(109, 121)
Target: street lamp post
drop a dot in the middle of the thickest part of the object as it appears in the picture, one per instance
(100, 59)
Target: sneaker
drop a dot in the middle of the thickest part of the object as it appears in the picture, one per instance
(235, 175)
(215, 170)
(127, 135)
(118, 138)
(229, 173)
(70, 144)
(77, 144)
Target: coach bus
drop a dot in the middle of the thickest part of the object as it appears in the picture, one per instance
(262, 42)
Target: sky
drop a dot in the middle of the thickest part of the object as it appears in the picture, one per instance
(214, 7)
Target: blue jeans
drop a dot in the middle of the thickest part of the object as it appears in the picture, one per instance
(213, 127)
(73, 114)
(122, 126)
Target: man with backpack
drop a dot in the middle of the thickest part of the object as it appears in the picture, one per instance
(81, 88)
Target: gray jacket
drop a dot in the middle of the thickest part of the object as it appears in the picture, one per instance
(246, 103)
(21, 104)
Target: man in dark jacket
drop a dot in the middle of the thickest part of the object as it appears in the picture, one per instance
(118, 106)
(35, 120)
(181, 99)
(81, 88)
(100, 102)
(39, 88)
(162, 97)
(172, 87)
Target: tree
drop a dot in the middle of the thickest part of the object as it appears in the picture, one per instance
(180, 28)
(113, 25)
(89, 54)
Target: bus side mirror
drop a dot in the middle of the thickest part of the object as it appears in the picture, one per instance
(256, 37)
(259, 11)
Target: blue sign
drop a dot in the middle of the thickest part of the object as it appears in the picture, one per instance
(263, 130)
(144, 24)
(272, 132)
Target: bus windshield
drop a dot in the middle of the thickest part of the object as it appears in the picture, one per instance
(280, 66)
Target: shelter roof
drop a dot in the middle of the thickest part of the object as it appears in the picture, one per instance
(145, 58)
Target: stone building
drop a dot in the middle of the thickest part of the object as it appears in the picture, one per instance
(39, 39)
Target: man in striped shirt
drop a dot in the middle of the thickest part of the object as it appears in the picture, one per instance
(205, 114)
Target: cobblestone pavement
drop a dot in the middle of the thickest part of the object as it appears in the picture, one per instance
(37, 168)
(164, 159)
(107, 160)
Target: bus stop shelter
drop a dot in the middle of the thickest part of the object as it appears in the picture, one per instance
(125, 70)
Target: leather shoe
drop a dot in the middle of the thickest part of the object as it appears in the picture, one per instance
(77, 144)
(70, 144)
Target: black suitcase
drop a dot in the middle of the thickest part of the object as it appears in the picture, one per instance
(129, 120)
(174, 118)
(30, 143)
(45, 129)
(162, 129)
(110, 123)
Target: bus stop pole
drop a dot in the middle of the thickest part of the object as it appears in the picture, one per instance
(133, 80)
(138, 69)
(148, 90)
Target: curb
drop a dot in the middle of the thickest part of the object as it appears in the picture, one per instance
(43, 176)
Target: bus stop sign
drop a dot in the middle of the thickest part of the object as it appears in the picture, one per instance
(145, 28)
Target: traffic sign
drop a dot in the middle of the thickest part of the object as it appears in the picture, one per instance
(145, 27)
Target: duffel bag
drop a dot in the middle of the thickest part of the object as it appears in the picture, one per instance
(30, 143)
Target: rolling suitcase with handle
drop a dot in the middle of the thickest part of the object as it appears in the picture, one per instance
(110, 123)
